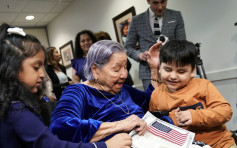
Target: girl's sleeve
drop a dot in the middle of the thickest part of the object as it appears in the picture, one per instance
(30, 129)
(141, 98)
(67, 120)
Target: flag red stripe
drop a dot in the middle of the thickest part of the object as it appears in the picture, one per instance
(181, 138)
(167, 137)
(171, 139)
(173, 136)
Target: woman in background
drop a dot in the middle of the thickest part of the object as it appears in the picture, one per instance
(102, 35)
(83, 42)
(56, 71)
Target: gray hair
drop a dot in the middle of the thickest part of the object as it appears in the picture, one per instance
(99, 54)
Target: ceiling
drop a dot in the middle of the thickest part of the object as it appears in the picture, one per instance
(13, 12)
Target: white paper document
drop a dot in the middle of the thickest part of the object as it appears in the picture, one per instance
(161, 134)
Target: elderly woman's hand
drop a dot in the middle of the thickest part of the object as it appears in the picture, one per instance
(133, 122)
(125, 125)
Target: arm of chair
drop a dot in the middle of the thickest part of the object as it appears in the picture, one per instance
(163, 115)
(167, 119)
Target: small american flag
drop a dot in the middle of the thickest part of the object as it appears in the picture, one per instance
(167, 133)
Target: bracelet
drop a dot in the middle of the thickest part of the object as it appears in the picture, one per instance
(156, 80)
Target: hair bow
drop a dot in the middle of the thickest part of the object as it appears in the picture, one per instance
(16, 30)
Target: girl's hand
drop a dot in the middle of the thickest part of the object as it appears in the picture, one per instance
(122, 140)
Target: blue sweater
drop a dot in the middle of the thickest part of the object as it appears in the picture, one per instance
(81, 110)
(24, 129)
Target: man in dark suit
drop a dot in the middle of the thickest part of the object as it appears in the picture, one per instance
(141, 30)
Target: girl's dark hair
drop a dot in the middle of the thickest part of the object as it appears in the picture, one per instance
(181, 52)
(13, 50)
(78, 50)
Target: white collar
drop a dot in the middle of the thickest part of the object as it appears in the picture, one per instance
(151, 13)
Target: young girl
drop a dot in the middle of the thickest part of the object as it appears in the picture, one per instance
(21, 73)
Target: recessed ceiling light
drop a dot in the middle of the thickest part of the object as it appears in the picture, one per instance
(30, 17)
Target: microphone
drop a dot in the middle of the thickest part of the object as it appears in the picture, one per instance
(162, 39)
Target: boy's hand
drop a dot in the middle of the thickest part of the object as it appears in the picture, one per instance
(184, 118)
(153, 55)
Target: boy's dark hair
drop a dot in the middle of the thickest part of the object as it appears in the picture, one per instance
(181, 52)
(13, 50)
(78, 50)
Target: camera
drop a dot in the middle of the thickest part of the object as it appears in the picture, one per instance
(162, 39)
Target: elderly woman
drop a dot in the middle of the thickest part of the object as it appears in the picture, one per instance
(103, 105)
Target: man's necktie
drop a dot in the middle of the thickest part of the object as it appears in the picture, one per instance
(156, 27)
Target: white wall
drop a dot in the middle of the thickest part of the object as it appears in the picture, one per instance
(40, 33)
(209, 22)
(96, 16)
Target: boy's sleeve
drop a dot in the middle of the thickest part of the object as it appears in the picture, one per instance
(153, 101)
(172, 116)
(217, 112)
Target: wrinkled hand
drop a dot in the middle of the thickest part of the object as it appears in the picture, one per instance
(132, 122)
(153, 55)
(184, 118)
(122, 140)
(142, 56)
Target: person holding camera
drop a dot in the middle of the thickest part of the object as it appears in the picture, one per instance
(146, 28)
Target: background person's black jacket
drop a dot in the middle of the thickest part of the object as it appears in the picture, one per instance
(57, 87)
(129, 80)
